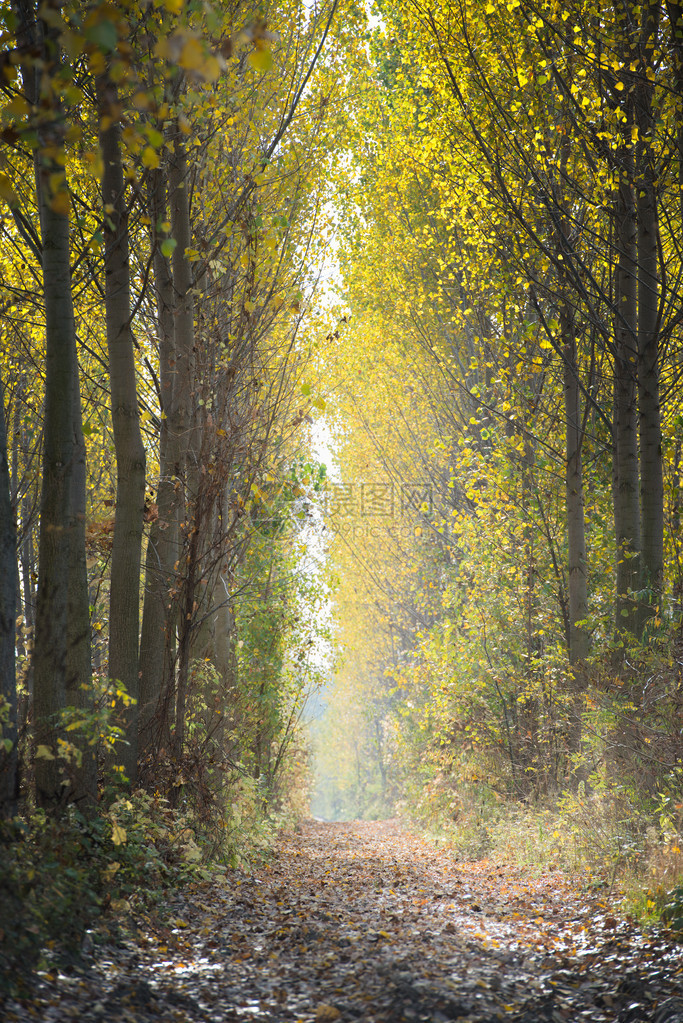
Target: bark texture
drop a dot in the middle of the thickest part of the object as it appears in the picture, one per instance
(9, 778)
(157, 637)
(62, 674)
(650, 427)
(157, 675)
(124, 600)
(625, 437)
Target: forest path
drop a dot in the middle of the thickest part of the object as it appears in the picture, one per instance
(365, 921)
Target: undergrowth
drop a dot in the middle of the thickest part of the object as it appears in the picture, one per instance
(62, 878)
(610, 814)
(67, 876)
(609, 839)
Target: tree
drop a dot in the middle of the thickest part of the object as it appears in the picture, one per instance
(62, 642)
(9, 779)
(124, 601)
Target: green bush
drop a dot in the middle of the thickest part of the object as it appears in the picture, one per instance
(672, 913)
(59, 875)
(49, 891)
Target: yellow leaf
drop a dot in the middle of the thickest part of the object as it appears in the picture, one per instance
(326, 1013)
(211, 69)
(96, 62)
(118, 834)
(44, 753)
(150, 158)
(161, 49)
(109, 872)
(60, 202)
(261, 59)
(6, 191)
(192, 56)
(56, 181)
(18, 107)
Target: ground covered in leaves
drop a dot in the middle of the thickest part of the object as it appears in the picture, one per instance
(365, 921)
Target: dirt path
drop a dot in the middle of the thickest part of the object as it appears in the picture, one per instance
(364, 921)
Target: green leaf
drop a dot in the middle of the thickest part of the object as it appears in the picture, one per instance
(167, 247)
(104, 35)
(154, 135)
(44, 753)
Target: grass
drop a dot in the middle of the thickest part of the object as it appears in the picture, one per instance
(607, 839)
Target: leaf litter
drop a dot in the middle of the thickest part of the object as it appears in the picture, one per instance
(367, 921)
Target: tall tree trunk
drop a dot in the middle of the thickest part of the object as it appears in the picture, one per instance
(157, 678)
(9, 761)
(574, 496)
(158, 633)
(28, 576)
(576, 541)
(650, 427)
(124, 599)
(576, 531)
(675, 11)
(51, 670)
(62, 642)
(625, 437)
(79, 648)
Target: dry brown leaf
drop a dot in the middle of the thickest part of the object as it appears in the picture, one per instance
(326, 1013)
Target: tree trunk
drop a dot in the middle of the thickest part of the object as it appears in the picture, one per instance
(650, 428)
(62, 642)
(124, 598)
(576, 534)
(56, 521)
(79, 650)
(579, 639)
(625, 437)
(158, 632)
(157, 679)
(574, 497)
(9, 762)
(675, 11)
